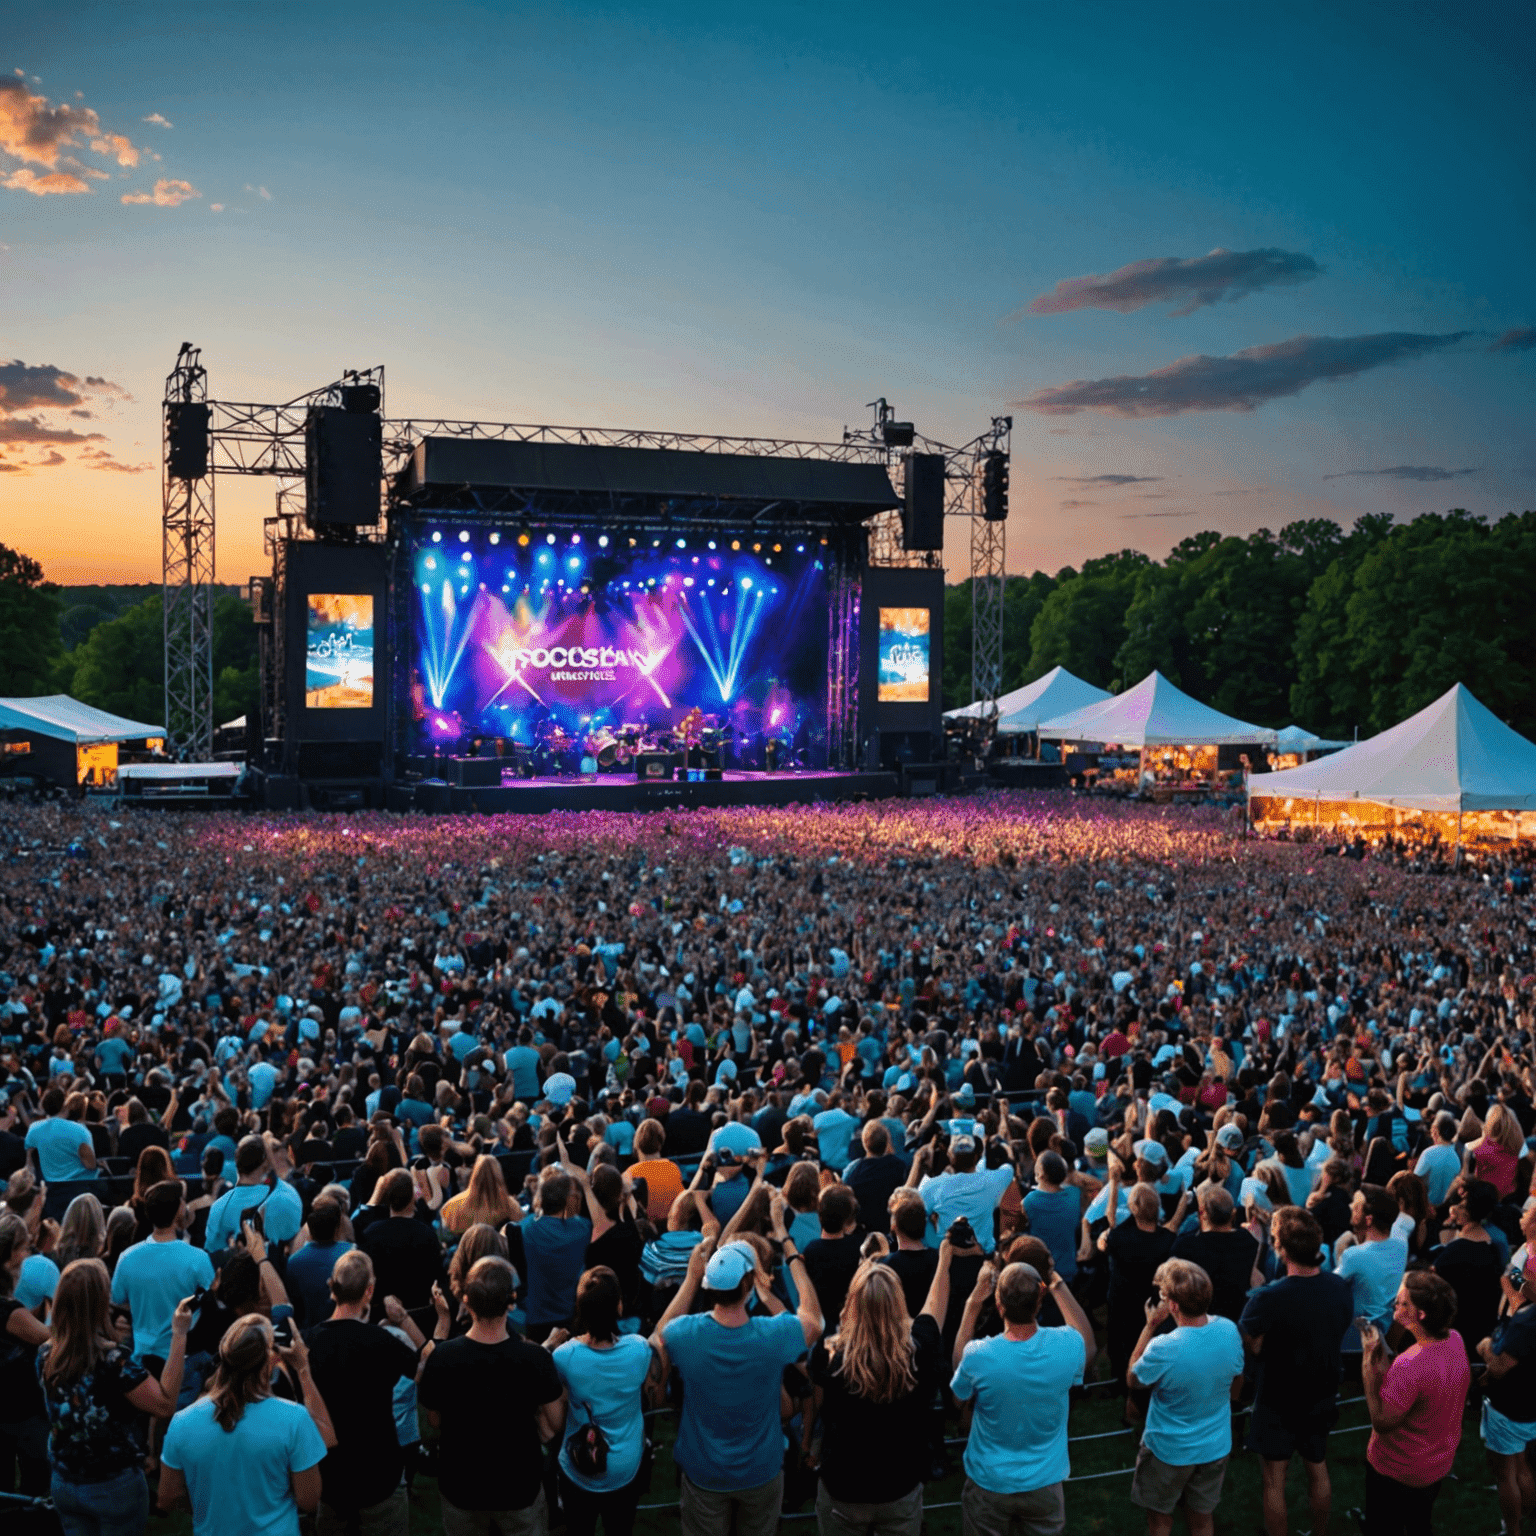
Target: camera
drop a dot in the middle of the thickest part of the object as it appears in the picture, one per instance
(961, 1234)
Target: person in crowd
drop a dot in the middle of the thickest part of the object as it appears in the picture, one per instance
(356, 1366)
(616, 1243)
(1440, 1162)
(1136, 1249)
(153, 1276)
(663, 1178)
(910, 1256)
(875, 1176)
(1295, 1328)
(729, 1444)
(1374, 1262)
(550, 1251)
(1016, 1389)
(407, 1259)
(1470, 1261)
(23, 1419)
(1495, 1155)
(605, 1374)
(82, 1233)
(246, 1459)
(965, 1189)
(307, 1273)
(95, 1392)
(496, 1401)
(875, 1381)
(1415, 1400)
(484, 1200)
(1195, 1374)
(1054, 1208)
(1509, 1403)
(1224, 1250)
(257, 1188)
(832, 1258)
(61, 1149)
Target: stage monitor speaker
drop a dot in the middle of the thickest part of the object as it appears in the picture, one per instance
(922, 518)
(186, 439)
(653, 765)
(343, 464)
(475, 772)
(713, 775)
(361, 399)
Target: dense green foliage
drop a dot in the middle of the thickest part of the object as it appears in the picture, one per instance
(1335, 630)
(29, 625)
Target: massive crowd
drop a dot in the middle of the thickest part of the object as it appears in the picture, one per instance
(347, 1151)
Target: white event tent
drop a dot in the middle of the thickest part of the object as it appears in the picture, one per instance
(1155, 714)
(1293, 738)
(1020, 712)
(1455, 755)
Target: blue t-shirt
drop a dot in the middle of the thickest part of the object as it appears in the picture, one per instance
(282, 1213)
(114, 1053)
(238, 1479)
(834, 1135)
(1190, 1371)
(309, 1279)
(523, 1063)
(604, 1386)
(57, 1143)
(1374, 1271)
(263, 1079)
(555, 1252)
(38, 1280)
(1054, 1218)
(1018, 1439)
(729, 1437)
(620, 1135)
(150, 1280)
(972, 1195)
(1438, 1166)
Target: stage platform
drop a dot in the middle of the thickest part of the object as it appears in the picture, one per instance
(616, 792)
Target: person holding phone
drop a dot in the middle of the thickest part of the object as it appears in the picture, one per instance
(1415, 1401)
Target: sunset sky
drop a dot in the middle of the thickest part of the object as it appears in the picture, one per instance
(1227, 266)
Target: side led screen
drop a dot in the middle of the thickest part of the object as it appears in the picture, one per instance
(903, 656)
(533, 635)
(338, 651)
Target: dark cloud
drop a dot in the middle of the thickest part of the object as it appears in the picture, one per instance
(1126, 516)
(28, 429)
(1107, 479)
(7, 468)
(1241, 382)
(1081, 504)
(41, 386)
(1194, 280)
(1424, 472)
(1520, 338)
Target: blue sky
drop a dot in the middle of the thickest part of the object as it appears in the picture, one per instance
(691, 217)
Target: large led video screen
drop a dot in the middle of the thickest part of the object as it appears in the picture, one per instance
(529, 635)
(338, 651)
(904, 656)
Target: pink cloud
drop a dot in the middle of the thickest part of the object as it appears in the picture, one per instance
(167, 194)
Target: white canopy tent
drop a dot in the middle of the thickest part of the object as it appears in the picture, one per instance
(1292, 738)
(1155, 714)
(1454, 755)
(62, 718)
(1022, 710)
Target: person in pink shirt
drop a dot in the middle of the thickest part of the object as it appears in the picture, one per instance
(1415, 1401)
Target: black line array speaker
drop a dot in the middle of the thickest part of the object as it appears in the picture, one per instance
(343, 464)
(922, 518)
(186, 434)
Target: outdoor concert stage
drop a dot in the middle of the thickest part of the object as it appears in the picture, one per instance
(617, 792)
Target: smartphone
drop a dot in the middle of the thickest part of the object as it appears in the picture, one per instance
(1362, 1323)
(282, 1331)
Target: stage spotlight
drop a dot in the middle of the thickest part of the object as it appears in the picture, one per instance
(426, 586)
(757, 549)
(575, 538)
(431, 562)
(602, 542)
(574, 562)
(495, 538)
(464, 536)
(682, 543)
(746, 583)
(799, 549)
(735, 543)
(778, 549)
(437, 537)
(522, 539)
(549, 538)
(655, 543)
(711, 543)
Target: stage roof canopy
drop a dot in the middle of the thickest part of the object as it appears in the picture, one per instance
(442, 466)
(1155, 714)
(1454, 755)
(1057, 693)
(65, 719)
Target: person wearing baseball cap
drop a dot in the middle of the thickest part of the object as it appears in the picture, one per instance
(729, 1449)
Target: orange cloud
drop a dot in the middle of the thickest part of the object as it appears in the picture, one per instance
(36, 133)
(167, 194)
(23, 180)
(118, 147)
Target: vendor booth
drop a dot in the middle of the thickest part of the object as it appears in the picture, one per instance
(1453, 771)
(1295, 746)
(61, 740)
(1183, 748)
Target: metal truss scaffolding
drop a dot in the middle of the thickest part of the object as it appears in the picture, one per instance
(186, 555)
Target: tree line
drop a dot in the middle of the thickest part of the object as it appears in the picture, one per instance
(1334, 630)
(106, 645)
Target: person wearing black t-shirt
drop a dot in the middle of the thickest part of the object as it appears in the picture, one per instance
(832, 1258)
(1471, 1262)
(875, 1382)
(355, 1365)
(406, 1257)
(912, 1259)
(1135, 1248)
(1226, 1253)
(875, 1176)
(497, 1401)
(1295, 1326)
(1509, 1403)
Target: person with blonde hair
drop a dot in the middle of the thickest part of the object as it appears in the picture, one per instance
(484, 1200)
(1195, 1373)
(94, 1390)
(248, 1461)
(875, 1382)
(1497, 1152)
(82, 1233)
